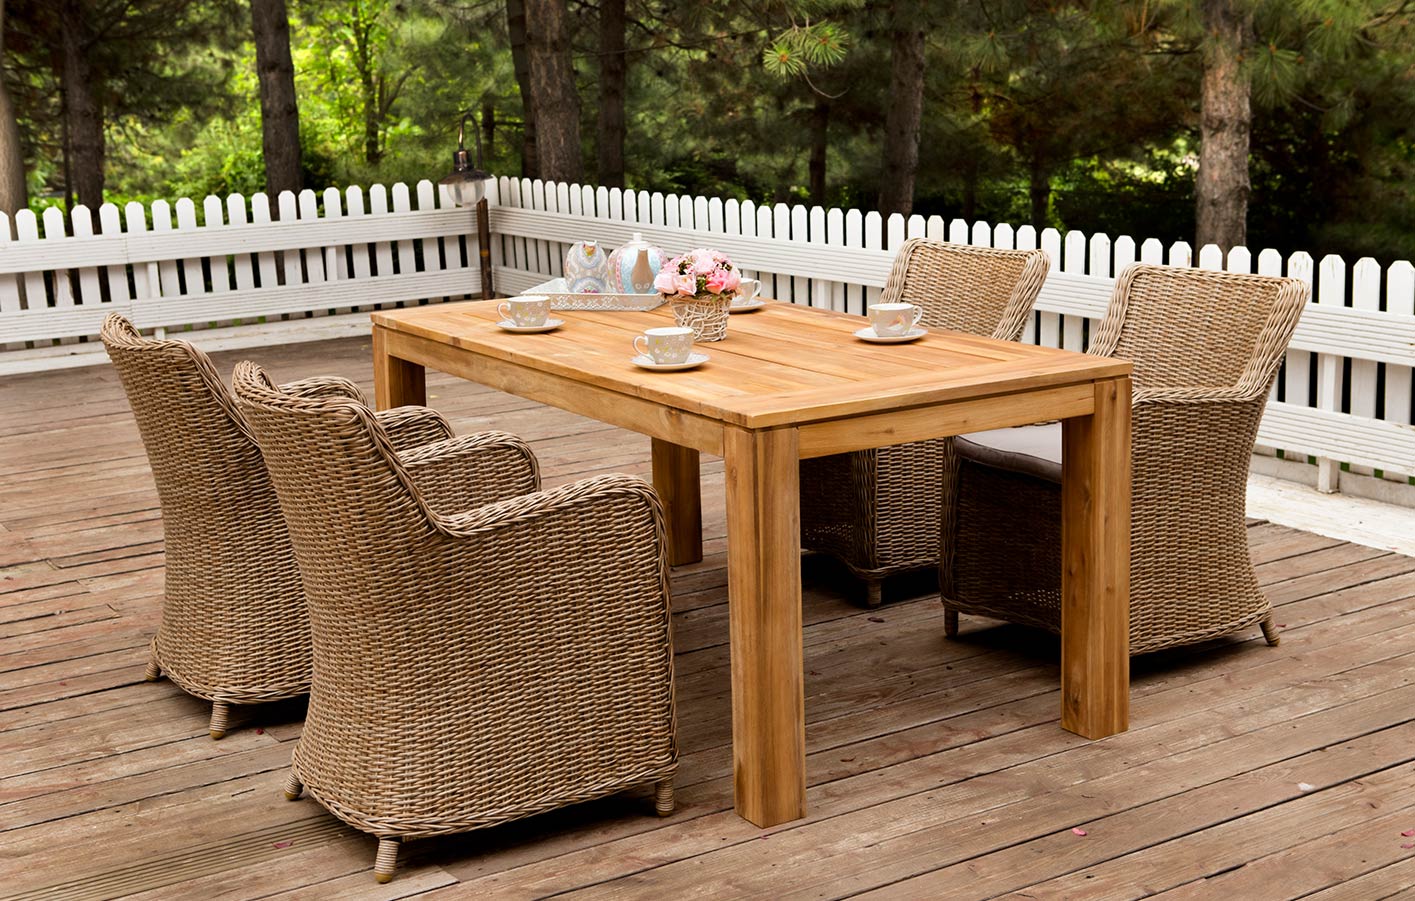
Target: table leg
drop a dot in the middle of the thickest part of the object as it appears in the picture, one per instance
(764, 607)
(1095, 579)
(396, 383)
(676, 479)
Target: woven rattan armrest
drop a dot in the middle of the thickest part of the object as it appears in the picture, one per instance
(331, 386)
(410, 427)
(562, 499)
(456, 475)
(1227, 395)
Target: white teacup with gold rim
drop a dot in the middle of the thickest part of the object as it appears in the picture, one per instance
(893, 320)
(526, 311)
(667, 345)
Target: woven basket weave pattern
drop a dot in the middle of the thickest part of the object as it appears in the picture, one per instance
(877, 513)
(482, 650)
(1206, 347)
(706, 316)
(234, 627)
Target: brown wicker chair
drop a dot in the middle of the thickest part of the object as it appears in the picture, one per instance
(483, 651)
(875, 510)
(1206, 348)
(234, 628)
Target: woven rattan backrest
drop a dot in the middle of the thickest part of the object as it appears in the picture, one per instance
(978, 290)
(1196, 328)
(204, 459)
(328, 457)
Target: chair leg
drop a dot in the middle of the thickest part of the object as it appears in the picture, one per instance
(387, 860)
(154, 672)
(874, 592)
(1270, 630)
(663, 797)
(293, 787)
(220, 711)
(950, 622)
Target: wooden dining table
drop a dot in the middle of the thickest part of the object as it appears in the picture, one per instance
(790, 383)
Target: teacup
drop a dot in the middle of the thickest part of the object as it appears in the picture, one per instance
(526, 311)
(892, 320)
(667, 345)
(747, 290)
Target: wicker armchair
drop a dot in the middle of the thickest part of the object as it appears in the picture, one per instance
(483, 651)
(234, 628)
(1206, 348)
(875, 510)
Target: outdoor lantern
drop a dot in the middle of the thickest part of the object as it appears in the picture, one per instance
(467, 186)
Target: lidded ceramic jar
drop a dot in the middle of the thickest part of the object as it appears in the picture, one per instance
(633, 267)
(586, 268)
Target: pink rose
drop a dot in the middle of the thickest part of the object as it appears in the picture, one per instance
(717, 281)
(703, 263)
(687, 285)
(732, 281)
(665, 283)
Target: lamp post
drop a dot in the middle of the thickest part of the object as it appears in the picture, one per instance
(467, 185)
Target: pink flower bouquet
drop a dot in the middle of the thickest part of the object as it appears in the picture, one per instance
(696, 273)
(700, 286)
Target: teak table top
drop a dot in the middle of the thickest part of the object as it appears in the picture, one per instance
(782, 365)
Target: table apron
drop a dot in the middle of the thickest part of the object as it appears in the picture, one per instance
(610, 407)
(836, 436)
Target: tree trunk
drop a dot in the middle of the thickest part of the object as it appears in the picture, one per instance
(488, 131)
(554, 97)
(279, 111)
(521, 63)
(1221, 187)
(820, 127)
(613, 72)
(12, 156)
(1039, 191)
(368, 87)
(901, 124)
(82, 108)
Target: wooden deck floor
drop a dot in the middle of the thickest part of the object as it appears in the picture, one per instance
(937, 768)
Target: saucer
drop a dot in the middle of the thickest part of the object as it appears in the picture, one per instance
(746, 306)
(644, 361)
(510, 326)
(868, 334)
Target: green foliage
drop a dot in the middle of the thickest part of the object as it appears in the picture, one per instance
(1075, 113)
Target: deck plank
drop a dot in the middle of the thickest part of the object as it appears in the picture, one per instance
(935, 768)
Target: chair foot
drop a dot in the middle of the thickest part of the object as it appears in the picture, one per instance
(663, 797)
(154, 672)
(387, 860)
(874, 593)
(293, 787)
(220, 712)
(1270, 631)
(950, 622)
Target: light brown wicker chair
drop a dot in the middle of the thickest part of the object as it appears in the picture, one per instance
(876, 510)
(1206, 348)
(234, 628)
(483, 651)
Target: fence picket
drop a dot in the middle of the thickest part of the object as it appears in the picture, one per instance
(53, 219)
(120, 293)
(1049, 324)
(241, 263)
(1073, 328)
(1400, 300)
(90, 291)
(1365, 295)
(382, 250)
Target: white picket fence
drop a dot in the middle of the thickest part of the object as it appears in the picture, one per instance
(1344, 396)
